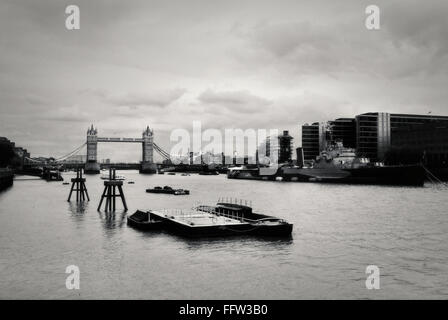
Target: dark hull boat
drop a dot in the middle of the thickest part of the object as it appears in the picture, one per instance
(209, 173)
(406, 175)
(224, 219)
(51, 174)
(409, 175)
(143, 220)
(168, 190)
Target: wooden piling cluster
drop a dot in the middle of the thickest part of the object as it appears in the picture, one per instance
(111, 187)
(78, 185)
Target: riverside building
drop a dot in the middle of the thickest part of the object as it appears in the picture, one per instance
(372, 133)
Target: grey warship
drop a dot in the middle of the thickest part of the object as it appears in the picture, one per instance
(337, 164)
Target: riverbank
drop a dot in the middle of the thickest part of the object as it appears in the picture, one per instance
(6, 178)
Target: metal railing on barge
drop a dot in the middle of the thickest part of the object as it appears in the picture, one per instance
(199, 211)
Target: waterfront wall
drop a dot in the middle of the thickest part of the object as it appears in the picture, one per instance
(6, 178)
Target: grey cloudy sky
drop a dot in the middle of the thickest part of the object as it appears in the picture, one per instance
(244, 64)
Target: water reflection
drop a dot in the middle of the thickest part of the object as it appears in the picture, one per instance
(78, 209)
(220, 241)
(267, 243)
(112, 220)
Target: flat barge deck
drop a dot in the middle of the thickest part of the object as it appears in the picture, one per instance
(220, 220)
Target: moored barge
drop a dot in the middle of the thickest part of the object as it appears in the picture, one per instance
(223, 219)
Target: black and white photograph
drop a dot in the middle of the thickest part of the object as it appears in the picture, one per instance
(211, 150)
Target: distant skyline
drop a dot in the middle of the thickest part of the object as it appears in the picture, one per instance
(241, 64)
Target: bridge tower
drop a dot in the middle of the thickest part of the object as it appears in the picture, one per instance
(148, 165)
(92, 165)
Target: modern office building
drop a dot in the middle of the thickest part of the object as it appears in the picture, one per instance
(431, 139)
(376, 130)
(313, 139)
(370, 133)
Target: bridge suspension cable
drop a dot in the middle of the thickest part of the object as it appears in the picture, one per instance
(162, 152)
(71, 153)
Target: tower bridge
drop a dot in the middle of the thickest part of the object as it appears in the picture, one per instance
(34, 166)
(148, 145)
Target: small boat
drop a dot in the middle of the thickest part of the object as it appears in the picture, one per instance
(168, 190)
(143, 220)
(131, 182)
(52, 174)
(65, 183)
(53, 178)
(185, 174)
(171, 173)
(105, 176)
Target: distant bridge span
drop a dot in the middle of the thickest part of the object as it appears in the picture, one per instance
(147, 164)
(137, 140)
(148, 146)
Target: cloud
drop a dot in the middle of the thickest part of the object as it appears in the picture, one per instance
(412, 41)
(241, 101)
(66, 114)
(159, 99)
(247, 64)
(35, 100)
(422, 26)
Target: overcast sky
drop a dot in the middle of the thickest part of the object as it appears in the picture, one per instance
(244, 64)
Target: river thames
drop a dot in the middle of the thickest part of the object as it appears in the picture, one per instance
(338, 231)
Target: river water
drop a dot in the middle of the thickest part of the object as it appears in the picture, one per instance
(338, 231)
